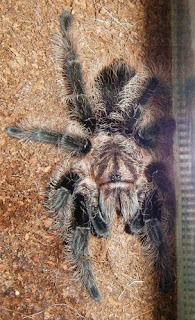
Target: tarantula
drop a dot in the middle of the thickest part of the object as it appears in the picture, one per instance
(117, 162)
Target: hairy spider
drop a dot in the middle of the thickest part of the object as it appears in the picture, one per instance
(117, 165)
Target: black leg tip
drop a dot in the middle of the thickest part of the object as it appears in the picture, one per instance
(133, 229)
(166, 283)
(102, 231)
(95, 294)
(128, 228)
(13, 131)
(100, 227)
(66, 20)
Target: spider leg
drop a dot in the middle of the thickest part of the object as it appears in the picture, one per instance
(157, 174)
(69, 142)
(87, 217)
(111, 81)
(138, 90)
(127, 99)
(134, 98)
(132, 107)
(80, 246)
(110, 84)
(136, 225)
(78, 103)
(156, 240)
(58, 201)
(148, 92)
(148, 136)
(132, 114)
(71, 183)
(99, 225)
(76, 215)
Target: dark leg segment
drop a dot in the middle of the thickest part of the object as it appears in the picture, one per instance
(72, 73)
(80, 246)
(110, 83)
(90, 193)
(58, 200)
(63, 190)
(136, 225)
(111, 80)
(70, 142)
(157, 174)
(156, 239)
(149, 92)
(148, 136)
(132, 115)
(99, 224)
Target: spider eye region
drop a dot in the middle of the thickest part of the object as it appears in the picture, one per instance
(115, 177)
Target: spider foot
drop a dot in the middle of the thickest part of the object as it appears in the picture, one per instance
(136, 225)
(164, 269)
(100, 226)
(15, 132)
(66, 20)
(133, 229)
(90, 283)
(166, 281)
